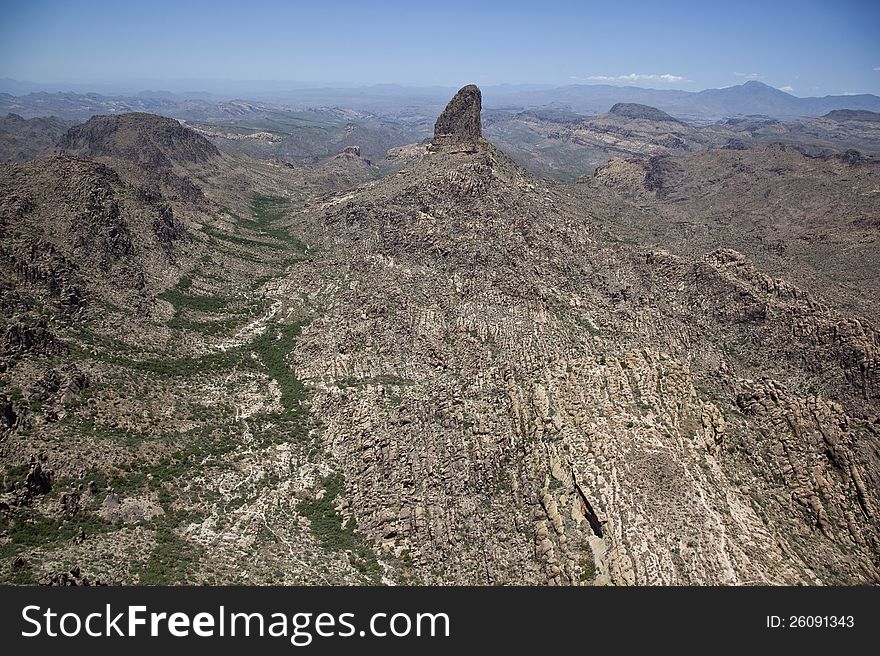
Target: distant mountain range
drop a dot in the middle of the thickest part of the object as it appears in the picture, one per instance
(751, 98)
(741, 100)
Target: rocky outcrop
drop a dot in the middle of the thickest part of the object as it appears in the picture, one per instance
(71, 578)
(34, 337)
(8, 415)
(818, 475)
(636, 175)
(458, 127)
(38, 481)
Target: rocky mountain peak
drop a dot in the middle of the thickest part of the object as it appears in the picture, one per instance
(147, 148)
(458, 127)
(138, 137)
(638, 111)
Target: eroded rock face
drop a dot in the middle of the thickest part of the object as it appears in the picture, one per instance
(459, 125)
(38, 481)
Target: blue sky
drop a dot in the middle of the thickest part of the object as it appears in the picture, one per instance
(809, 48)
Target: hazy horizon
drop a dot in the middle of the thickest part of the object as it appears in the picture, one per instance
(803, 48)
(265, 89)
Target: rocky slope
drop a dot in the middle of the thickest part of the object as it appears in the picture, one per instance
(810, 219)
(145, 399)
(514, 396)
(23, 139)
(458, 373)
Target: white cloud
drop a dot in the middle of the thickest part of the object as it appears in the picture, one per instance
(787, 88)
(877, 68)
(668, 78)
(750, 76)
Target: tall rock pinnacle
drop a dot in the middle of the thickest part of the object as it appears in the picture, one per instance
(458, 127)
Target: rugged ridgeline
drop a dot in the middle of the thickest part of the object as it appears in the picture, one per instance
(455, 374)
(804, 218)
(143, 138)
(23, 139)
(515, 394)
(105, 217)
(564, 145)
(155, 150)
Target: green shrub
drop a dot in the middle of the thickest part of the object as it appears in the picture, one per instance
(40, 531)
(171, 560)
(327, 527)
